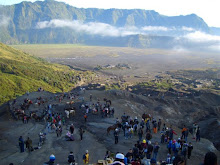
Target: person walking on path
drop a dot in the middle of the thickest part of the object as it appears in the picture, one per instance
(140, 133)
(81, 132)
(155, 151)
(190, 148)
(116, 136)
(71, 158)
(29, 144)
(85, 117)
(86, 157)
(198, 135)
(21, 144)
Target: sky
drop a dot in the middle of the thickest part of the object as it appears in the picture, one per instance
(207, 9)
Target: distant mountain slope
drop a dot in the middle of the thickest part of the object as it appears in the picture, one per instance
(21, 72)
(23, 18)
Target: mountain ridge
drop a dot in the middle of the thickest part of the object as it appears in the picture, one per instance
(25, 16)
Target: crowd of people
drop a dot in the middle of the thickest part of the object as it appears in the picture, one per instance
(144, 151)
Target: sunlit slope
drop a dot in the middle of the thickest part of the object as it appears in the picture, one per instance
(21, 72)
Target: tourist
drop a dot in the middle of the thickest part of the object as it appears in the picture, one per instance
(198, 134)
(210, 159)
(21, 144)
(155, 150)
(116, 135)
(29, 144)
(140, 133)
(149, 150)
(86, 157)
(71, 158)
(52, 160)
(71, 128)
(81, 132)
(190, 148)
(148, 136)
(159, 124)
(119, 159)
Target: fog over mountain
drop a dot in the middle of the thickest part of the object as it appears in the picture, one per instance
(56, 22)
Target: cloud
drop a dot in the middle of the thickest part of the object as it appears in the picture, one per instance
(155, 28)
(102, 29)
(4, 21)
(198, 36)
(184, 28)
(90, 28)
(200, 41)
(188, 38)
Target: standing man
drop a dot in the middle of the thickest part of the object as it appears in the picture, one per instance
(21, 144)
(90, 97)
(116, 136)
(159, 124)
(81, 132)
(190, 148)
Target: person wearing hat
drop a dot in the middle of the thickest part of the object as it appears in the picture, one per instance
(119, 159)
(116, 135)
(86, 157)
(144, 144)
(51, 161)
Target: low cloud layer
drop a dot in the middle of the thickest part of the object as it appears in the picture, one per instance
(103, 29)
(4, 21)
(187, 36)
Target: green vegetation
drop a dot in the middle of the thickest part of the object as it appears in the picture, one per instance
(21, 72)
(161, 85)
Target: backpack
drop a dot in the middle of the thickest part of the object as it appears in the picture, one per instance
(84, 157)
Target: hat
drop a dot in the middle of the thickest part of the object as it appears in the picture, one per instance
(120, 156)
(52, 157)
(144, 141)
(153, 160)
(87, 151)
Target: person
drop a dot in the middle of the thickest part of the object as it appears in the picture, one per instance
(90, 97)
(135, 151)
(129, 155)
(71, 158)
(116, 136)
(190, 148)
(153, 161)
(179, 160)
(119, 159)
(195, 127)
(21, 144)
(72, 129)
(155, 150)
(149, 150)
(85, 117)
(81, 132)
(198, 135)
(140, 133)
(86, 157)
(148, 136)
(184, 132)
(159, 124)
(52, 160)
(29, 144)
(107, 155)
(210, 159)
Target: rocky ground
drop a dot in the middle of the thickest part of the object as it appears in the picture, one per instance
(95, 138)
